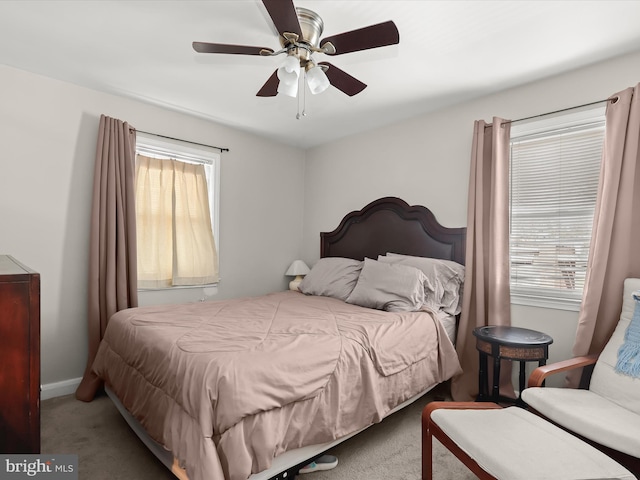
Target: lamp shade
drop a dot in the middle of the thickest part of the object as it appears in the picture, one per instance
(317, 80)
(291, 64)
(298, 267)
(289, 89)
(288, 75)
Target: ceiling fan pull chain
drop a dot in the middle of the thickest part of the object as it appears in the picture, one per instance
(302, 92)
(298, 96)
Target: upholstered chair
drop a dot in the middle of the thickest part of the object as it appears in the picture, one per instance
(607, 414)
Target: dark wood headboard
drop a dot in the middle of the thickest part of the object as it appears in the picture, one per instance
(391, 225)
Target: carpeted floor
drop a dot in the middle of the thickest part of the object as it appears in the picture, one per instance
(107, 449)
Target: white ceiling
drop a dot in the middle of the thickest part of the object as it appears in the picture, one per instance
(449, 52)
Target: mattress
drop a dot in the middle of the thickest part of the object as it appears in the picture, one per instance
(228, 386)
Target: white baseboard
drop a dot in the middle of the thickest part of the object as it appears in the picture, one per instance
(59, 389)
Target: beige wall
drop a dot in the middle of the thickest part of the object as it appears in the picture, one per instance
(48, 133)
(425, 161)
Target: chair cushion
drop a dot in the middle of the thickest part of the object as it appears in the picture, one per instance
(588, 414)
(605, 381)
(513, 444)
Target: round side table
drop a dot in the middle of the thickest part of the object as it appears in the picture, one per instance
(508, 343)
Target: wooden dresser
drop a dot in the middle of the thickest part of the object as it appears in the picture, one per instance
(19, 357)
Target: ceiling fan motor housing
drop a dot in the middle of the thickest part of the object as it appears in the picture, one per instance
(311, 27)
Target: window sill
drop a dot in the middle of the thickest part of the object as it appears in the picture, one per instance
(212, 287)
(178, 294)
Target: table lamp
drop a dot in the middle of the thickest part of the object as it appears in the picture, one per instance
(298, 269)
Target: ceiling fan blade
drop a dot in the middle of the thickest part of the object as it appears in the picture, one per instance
(270, 88)
(342, 80)
(202, 47)
(284, 16)
(373, 36)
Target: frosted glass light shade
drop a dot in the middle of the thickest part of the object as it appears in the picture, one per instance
(317, 80)
(291, 64)
(289, 89)
(288, 75)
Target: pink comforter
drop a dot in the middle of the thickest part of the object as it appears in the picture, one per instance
(228, 385)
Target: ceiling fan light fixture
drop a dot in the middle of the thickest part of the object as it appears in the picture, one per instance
(287, 77)
(291, 65)
(289, 89)
(317, 80)
(288, 74)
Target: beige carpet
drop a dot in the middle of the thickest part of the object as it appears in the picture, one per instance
(107, 449)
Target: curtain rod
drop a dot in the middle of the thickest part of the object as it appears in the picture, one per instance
(614, 99)
(222, 149)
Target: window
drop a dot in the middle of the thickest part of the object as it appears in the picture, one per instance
(176, 191)
(555, 168)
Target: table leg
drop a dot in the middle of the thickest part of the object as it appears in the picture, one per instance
(496, 380)
(483, 379)
(521, 382)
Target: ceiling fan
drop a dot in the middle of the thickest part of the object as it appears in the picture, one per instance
(299, 34)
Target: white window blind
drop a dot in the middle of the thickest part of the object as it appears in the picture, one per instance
(555, 168)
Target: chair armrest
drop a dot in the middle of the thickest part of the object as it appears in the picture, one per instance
(431, 406)
(538, 376)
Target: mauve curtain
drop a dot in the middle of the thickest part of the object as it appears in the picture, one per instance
(486, 298)
(112, 243)
(616, 227)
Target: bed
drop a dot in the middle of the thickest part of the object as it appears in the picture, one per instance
(256, 387)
